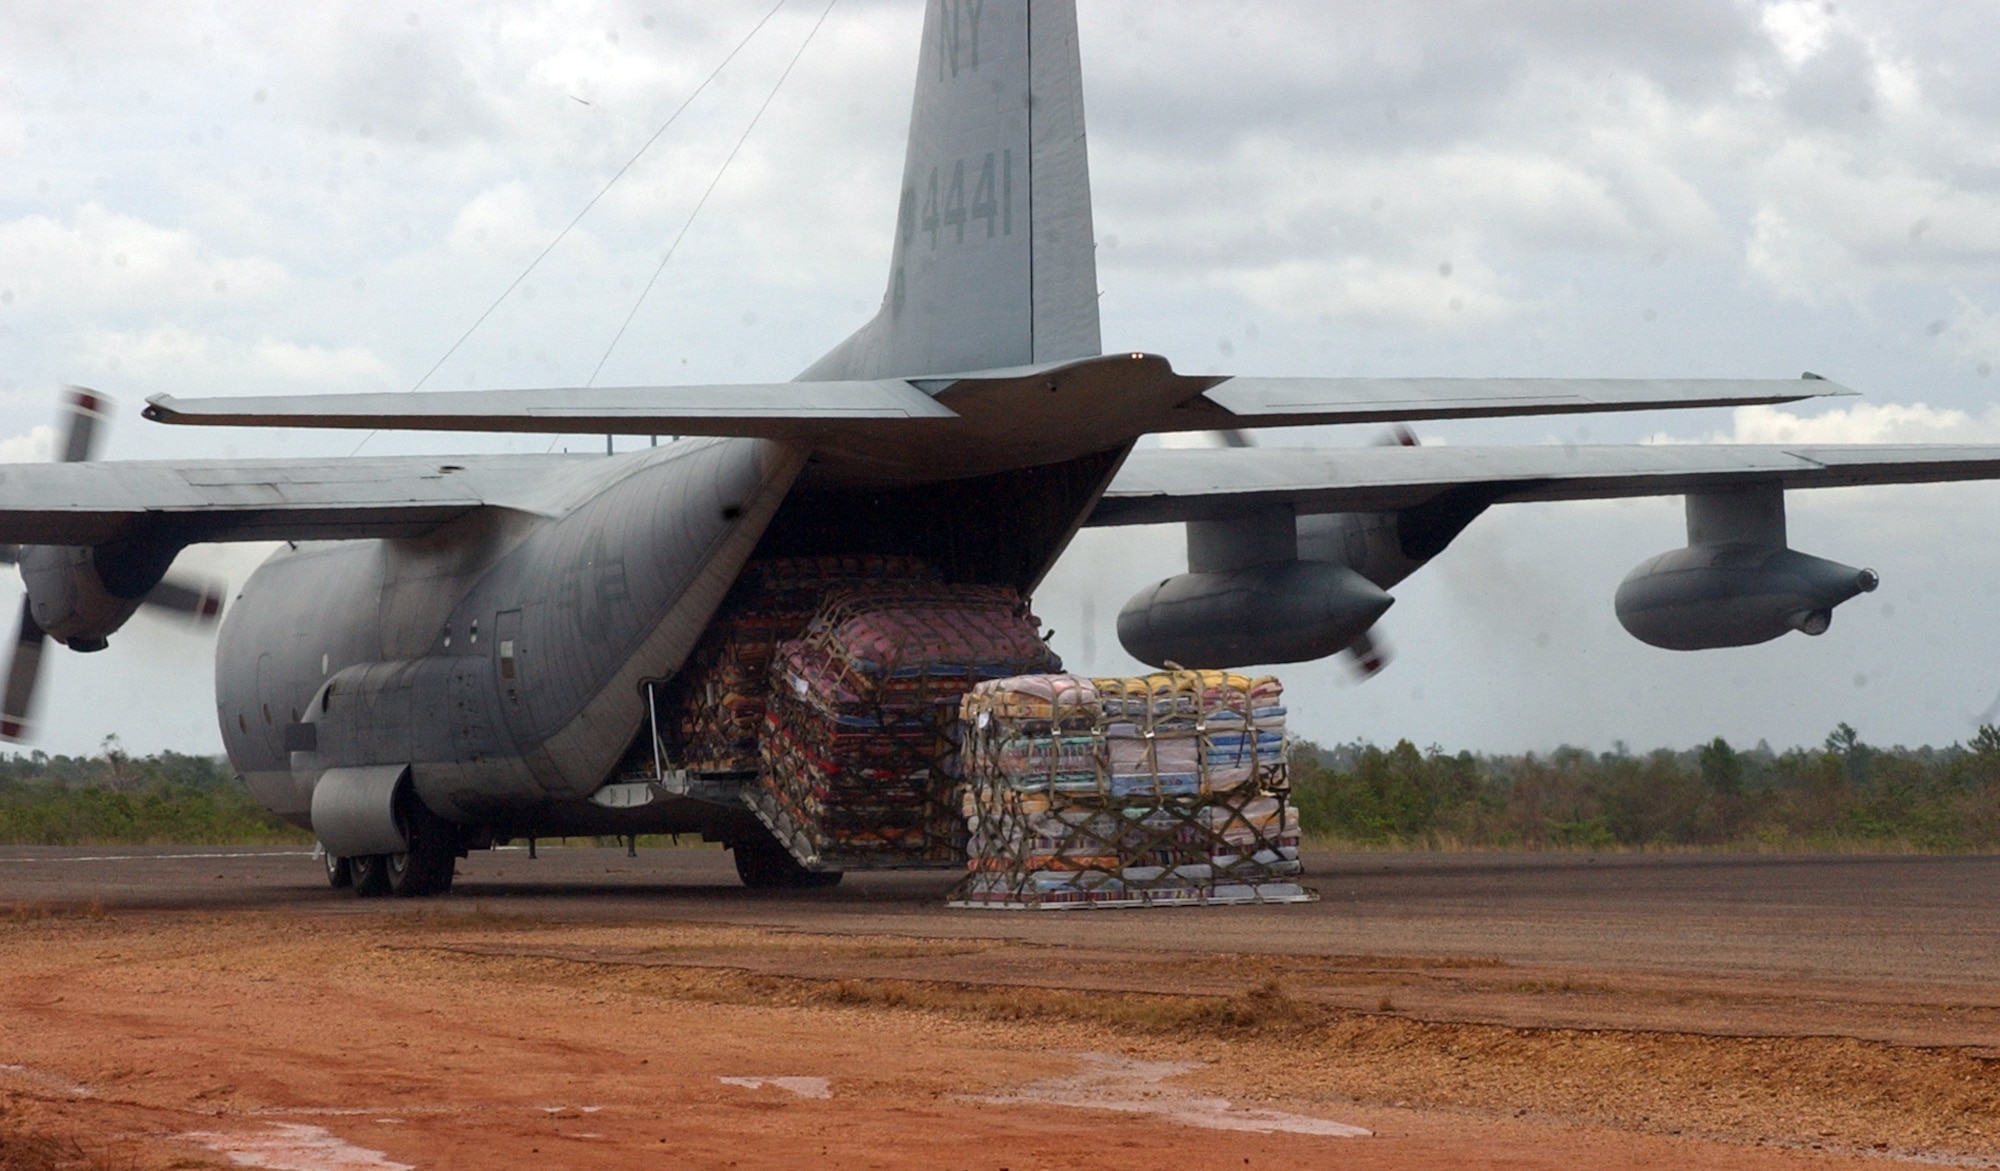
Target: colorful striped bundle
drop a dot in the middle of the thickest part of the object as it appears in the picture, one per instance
(1161, 789)
(714, 714)
(860, 756)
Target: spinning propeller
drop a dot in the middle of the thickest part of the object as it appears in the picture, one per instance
(198, 600)
(1368, 654)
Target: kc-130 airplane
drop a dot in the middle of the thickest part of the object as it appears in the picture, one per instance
(452, 652)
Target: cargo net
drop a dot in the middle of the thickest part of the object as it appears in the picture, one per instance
(715, 705)
(860, 737)
(1166, 789)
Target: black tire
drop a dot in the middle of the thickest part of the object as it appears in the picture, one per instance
(370, 873)
(428, 867)
(406, 876)
(763, 864)
(339, 875)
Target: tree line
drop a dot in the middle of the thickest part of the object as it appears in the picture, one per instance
(115, 798)
(1843, 794)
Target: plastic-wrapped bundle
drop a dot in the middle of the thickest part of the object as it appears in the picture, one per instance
(1165, 789)
(716, 703)
(860, 738)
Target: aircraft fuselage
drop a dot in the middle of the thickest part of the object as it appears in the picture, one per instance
(504, 658)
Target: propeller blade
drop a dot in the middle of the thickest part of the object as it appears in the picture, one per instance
(22, 672)
(83, 410)
(196, 598)
(1367, 656)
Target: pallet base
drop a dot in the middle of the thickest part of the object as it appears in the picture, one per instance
(799, 842)
(1225, 895)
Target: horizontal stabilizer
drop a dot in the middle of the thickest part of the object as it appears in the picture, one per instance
(776, 410)
(926, 429)
(1293, 402)
(1163, 485)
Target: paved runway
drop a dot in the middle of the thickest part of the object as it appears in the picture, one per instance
(1864, 917)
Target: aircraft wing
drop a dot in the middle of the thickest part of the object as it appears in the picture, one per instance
(1180, 484)
(263, 500)
(1111, 399)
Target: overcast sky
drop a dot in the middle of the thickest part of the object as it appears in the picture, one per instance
(252, 198)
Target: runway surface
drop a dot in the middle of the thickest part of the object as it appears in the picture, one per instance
(1483, 1009)
(1917, 919)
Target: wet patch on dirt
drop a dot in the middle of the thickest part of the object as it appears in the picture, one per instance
(798, 1087)
(293, 1146)
(1107, 1082)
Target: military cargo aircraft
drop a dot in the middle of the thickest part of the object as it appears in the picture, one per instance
(448, 653)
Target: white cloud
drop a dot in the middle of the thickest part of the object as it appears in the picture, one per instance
(1861, 423)
(501, 218)
(1835, 224)
(1866, 423)
(104, 260)
(1799, 28)
(36, 446)
(1973, 333)
(1425, 240)
(182, 357)
(1365, 290)
(291, 362)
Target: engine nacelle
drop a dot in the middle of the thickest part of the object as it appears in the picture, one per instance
(1708, 596)
(1736, 584)
(1282, 612)
(79, 595)
(68, 597)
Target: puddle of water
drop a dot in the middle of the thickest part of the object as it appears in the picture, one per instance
(804, 1087)
(1107, 1082)
(294, 1146)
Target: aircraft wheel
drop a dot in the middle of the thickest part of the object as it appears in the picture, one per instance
(406, 875)
(763, 864)
(339, 874)
(433, 855)
(370, 873)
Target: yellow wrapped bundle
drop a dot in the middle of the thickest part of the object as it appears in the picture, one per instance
(1154, 790)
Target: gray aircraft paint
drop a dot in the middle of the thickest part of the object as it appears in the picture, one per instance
(994, 261)
(1737, 582)
(393, 649)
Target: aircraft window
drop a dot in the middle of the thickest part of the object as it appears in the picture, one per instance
(267, 713)
(473, 634)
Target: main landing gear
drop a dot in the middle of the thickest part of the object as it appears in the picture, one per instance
(425, 869)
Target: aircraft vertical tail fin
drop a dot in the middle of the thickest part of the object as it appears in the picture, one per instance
(993, 262)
